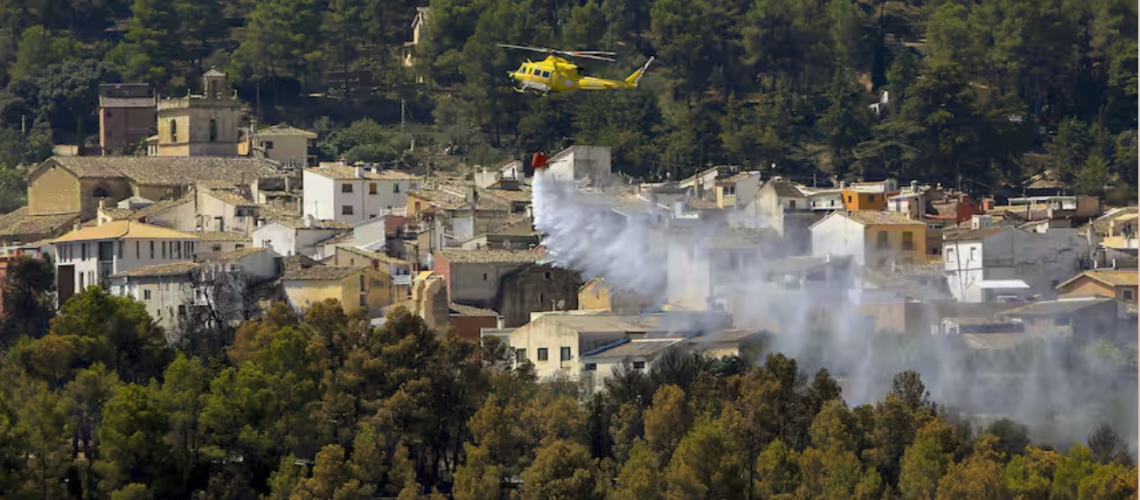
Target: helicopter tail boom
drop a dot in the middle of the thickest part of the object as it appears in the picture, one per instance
(635, 78)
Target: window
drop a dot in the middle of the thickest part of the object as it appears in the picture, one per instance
(870, 197)
(84, 252)
(396, 188)
(908, 240)
(213, 130)
(121, 245)
(542, 354)
(565, 354)
(173, 131)
(484, 276)
(849, 199)
(138, 249)
(363, 300)
(883, 240)
(152, 250)
(546, 275)
(346, 210)
(268, 144)
(181, 310)
(638, 365)
(831, 203)
(237, 246)
(146, 294)
(520, 355)
(1128, 295)
(99, 192)
(346, 188)
(590, 367)
(216, 248)
(546, 74)
(362, 282)
(792, 204)
(81, 276)
(371, 188)
(164, 250)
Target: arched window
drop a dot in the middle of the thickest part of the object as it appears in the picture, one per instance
(173, 131)
(100, 193)
(213, 130)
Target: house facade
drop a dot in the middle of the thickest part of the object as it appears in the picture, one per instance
(166, 290)
(201, 125)
(296, 235)
(986, 263)
(356, 288)
(90, 256)
(355, 194)
(871, 239)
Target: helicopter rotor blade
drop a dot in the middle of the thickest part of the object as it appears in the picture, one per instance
(590, 56)
(584, 54)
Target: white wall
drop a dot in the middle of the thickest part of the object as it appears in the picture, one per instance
(963, 265)
(582, 161)
(286, 147)
(370, 234)
(839, 236)
(320, 201)
(1041, 260)
(280, 238)
(746, 190)
(71, 254)
(210, 208)
(183, 217)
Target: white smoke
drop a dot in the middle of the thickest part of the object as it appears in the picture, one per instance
(1059, 394)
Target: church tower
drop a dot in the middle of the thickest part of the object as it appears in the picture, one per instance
(201, 125)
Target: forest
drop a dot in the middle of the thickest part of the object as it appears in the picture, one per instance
(973, 94)
(97, 405)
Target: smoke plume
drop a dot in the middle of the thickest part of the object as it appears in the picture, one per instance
(1060, 389)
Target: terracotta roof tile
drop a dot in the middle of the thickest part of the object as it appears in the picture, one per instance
(230, 197)
(121, 229)
(872, 218)
(116, 213)
(169, 171)
(159, 207)
(299, 223)
(18, 222)
(282, 130)
(237, 254)
(159, 270)
(217, 236)
(322, 273)
(345, 172)
(491, 256)
(465, 310)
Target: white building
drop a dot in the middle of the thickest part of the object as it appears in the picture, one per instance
(226, 210)
(90, 256)
(582, 162)
(986, 263)
(290, 236)
(873, 239)
(354, 194)
(166, 290)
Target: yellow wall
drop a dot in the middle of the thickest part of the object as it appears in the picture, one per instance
(377, 286)
(725, 200)
(55, 191)
(594, 296)
(878, 257)
(411, 208)
(858, 200)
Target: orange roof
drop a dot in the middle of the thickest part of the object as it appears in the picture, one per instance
(124, 229)
(1112, 278)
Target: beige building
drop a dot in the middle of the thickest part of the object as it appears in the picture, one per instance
(356, 288)
(282, 143)
(201, 125)
(68, 185)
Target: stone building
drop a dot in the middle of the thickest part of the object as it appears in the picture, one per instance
(200, 125)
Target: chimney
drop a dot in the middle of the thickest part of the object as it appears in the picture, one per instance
(914, 186)
(102, 203)
(359, 170)
(842, 184)
(309, 220)
(980, 221)
(678, 208)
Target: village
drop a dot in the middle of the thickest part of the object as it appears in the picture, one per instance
(218, 221)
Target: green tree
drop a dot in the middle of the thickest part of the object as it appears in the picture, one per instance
(40, 48)
(28, 299)
(640, 476)
(562, 469)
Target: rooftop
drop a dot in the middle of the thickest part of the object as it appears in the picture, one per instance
(19, 222)
(237, 254)
(345, 172)
(121, 229)
(1056, 307)
(380, 256)
(873, 218)
(490, 256)
(159, 207)
(736, 178)
(286, 131)
(322, 273)
(229, 197)
(169, 170)
(632, 348)
(219, 236)
(299, 223)
(603, 323)
(159, 270)
(972, 234)
(114, 213)
(1109, 277)
(465, 310)
(786, 189)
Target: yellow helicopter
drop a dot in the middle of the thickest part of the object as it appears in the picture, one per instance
(557, 74)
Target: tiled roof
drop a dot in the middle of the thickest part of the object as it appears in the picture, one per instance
(19, 222)
(509, 195)
(934, 268)
(322, 273)
(383, 257)
(121, 229)
(635, 348)
(736, 178)
(237, 254)
(286, 131)
(872, 218)
(701, 204)
(218, 236)
(465, 310)
(159, 207)
(337, 239)
(1056, 307)
(159, 270)
(299, 223)
(488, 256)
(972, 234)
(230, 197)
(345, 172)
(116, 213)
(169, 171)
(1110, 277)
(786, 189)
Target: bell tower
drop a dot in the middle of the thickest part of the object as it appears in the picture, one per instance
(206, 124)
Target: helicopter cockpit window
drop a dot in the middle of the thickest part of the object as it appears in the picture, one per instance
(546, 74)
